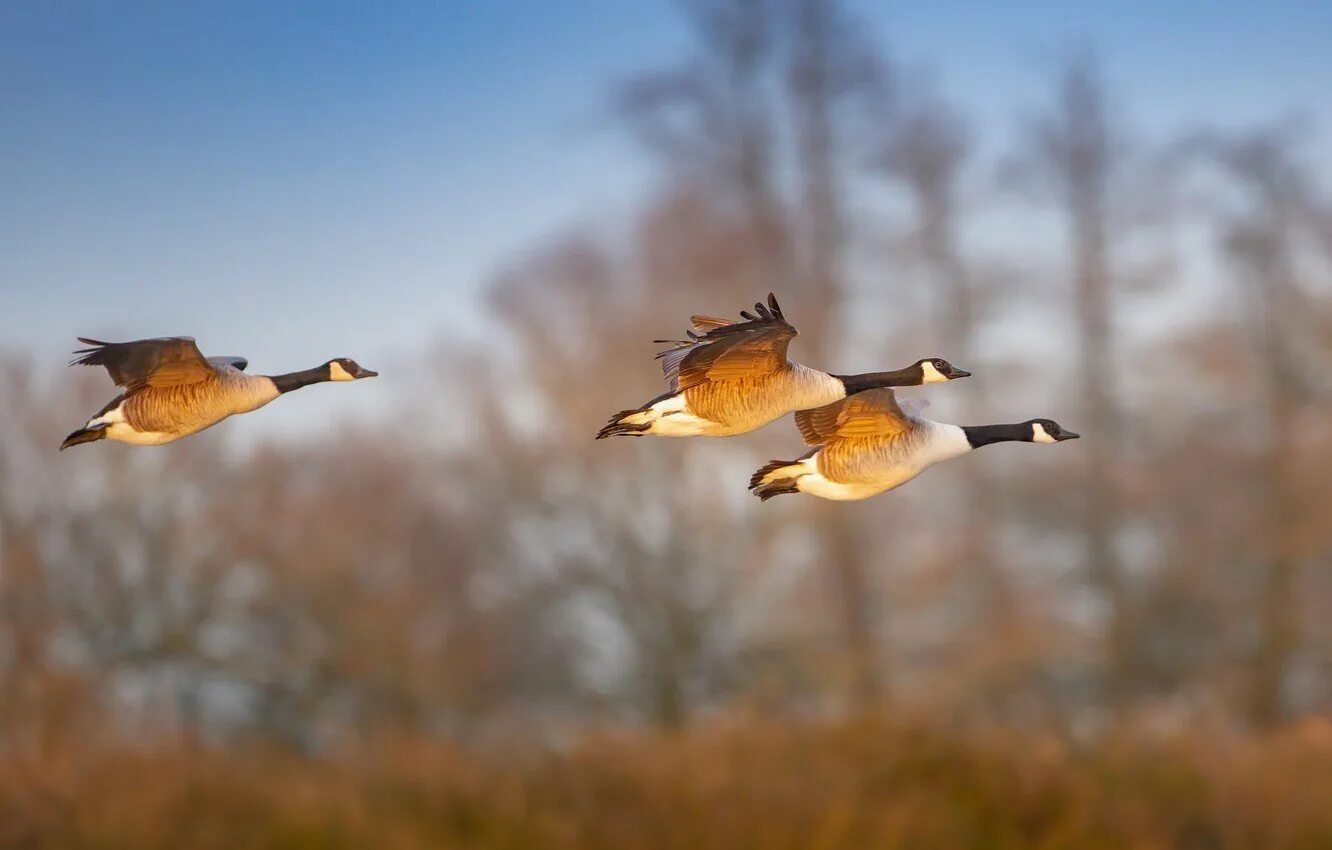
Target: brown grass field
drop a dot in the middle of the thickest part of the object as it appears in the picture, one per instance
(753, 784)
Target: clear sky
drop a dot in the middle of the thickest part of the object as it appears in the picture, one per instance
(293, 181)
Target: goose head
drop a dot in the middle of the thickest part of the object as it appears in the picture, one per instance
(347, 369)
(936, 370)
(1048, 431)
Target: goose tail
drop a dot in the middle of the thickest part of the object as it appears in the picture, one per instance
(84, 435)
(777, 478)
(619, 427)
(639, 420)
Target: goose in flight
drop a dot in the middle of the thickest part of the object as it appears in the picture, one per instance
(171, 390)
(868, 443)
(732, 377)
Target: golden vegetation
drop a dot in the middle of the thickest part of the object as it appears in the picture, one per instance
(724, 785)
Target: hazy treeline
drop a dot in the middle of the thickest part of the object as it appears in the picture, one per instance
(498, 572)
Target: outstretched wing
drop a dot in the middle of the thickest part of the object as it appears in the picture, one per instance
(161, 362)
(719, 350)
(873, 412)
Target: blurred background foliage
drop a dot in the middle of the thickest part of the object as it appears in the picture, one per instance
(464, 623)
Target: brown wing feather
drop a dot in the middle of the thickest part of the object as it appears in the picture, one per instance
(161, 362)
(730, 350)
(703, 324)
(873, 412)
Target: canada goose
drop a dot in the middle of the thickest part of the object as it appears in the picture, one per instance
(172, 390)
(868, 443)
(732, 377)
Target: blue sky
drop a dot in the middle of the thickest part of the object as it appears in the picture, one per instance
(294, 181)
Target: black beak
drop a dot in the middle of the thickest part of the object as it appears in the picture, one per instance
(1065, 435)
(366, 373)
(955, 372)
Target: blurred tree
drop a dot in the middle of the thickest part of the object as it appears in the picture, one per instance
(926, 151)
(1073, 153)
(710, 123)
(1263, 237)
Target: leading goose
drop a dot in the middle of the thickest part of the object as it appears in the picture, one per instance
(732, 377)
(172, 390)
(868, 443)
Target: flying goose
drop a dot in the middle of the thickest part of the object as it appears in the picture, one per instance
(732, 377)
(172, 390)
(868, 443)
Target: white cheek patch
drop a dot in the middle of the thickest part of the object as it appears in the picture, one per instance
(337, 373)
(931, 374)
(1039, 435)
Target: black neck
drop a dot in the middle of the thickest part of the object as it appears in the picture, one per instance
(911, 376)
(983, 435)
(295, 380)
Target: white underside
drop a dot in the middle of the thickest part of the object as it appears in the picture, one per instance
(671, 417)
(113, 416)
(125, 434)
(810, 480)
(816, 485)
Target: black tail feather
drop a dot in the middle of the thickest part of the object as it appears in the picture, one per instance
(780, 487)
(84, 435)
(776, 487)
(616, 428)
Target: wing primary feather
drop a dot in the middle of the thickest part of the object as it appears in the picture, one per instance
(163, 361)
(706, 323)
(724, 350)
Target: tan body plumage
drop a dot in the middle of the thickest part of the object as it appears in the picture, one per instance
(733, 377)
(726, 408)
(172, 390)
